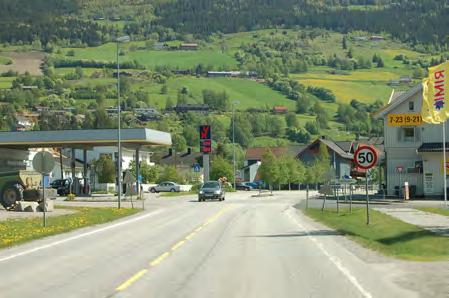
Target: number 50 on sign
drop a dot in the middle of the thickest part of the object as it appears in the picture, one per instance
(365, 157)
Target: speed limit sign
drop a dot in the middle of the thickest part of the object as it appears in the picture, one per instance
(365, 157)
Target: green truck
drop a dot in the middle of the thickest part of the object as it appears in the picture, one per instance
(18, 186)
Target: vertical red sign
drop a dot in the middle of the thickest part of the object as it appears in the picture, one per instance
(205, 139)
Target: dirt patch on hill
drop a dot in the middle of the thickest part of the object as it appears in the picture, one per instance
(23, 62)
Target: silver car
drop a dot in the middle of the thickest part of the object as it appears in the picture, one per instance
(165, 187)
(211, 190)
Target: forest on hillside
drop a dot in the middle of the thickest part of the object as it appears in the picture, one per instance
(25, 21)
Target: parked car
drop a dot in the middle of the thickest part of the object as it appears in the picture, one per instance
(57, 183)
(165, 187)
(243, 186)
(212, 190)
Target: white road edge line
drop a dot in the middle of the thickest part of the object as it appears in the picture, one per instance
(122, 223)
(336, 261)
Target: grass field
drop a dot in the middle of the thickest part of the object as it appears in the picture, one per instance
(346, 89)
(17, 231)
(249, 93)
(385, 234)
(5, 60)
(152, 58)
(6, 83)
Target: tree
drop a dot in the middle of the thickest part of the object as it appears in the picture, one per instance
(283, 171)
(169, 103)
(169, 173)
(221, 168)
(294, 169)
(380, 63)
(343, 43)
(243, 134)
(276, 126)
(79, 72)
(312, 127)
(148, 173)
(269, 170)
(179, 143)
(105, 169)
(292, 120)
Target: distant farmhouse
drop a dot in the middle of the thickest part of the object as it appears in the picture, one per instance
(231, 74)
(184, 108)
(280, 110)
(189, 47)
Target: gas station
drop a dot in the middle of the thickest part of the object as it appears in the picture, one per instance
(13, 144)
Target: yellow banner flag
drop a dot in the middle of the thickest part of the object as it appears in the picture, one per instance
(435, 107)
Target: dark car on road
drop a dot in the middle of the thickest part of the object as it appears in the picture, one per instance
(243, 186)
(211, 190)
(57, 183)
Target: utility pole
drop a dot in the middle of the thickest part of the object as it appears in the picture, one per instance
(233, 138)
(119, 40)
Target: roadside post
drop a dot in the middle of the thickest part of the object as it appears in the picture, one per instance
(44, 163)
(365, 158)
(338, 198)
(350, 198)
(307, 196)
(129, 179)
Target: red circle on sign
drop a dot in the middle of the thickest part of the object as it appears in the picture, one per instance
(361, 158)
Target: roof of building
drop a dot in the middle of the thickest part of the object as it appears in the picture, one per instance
(333, 146)
(182, 159)
(396, 100)
(346, 146)
(131, 138)
(256, 153)
(433, 147)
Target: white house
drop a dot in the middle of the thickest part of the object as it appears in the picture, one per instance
(413, 150)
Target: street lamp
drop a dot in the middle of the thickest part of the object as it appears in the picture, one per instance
(119, 40)
(234, 103)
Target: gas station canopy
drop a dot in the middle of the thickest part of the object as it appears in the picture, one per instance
(84, 139)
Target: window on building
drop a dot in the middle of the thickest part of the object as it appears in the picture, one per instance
(411, 106)
(408, 134)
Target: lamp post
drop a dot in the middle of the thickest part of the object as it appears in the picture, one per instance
(234, 103)
(119, 40)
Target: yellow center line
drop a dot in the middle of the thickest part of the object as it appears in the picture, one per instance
(165, 255)
(159, 259)
(131, 280)
(190, 236)
(178, 245)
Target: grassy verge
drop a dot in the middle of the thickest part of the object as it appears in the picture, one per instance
(385, 234)
(440, 211)
(17, 231)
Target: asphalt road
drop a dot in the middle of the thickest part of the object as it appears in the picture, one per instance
(243, 247)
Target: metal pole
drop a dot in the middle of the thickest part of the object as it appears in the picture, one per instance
(43, 197)
(350, 198)
(367, 198)
(119, 162)
(233, 137)
(307, 197)
(324, 202)
(338, 199)
(61, 163)
(138, 172)
(444, 167)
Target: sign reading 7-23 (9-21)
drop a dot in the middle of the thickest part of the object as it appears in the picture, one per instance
(404, 120)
